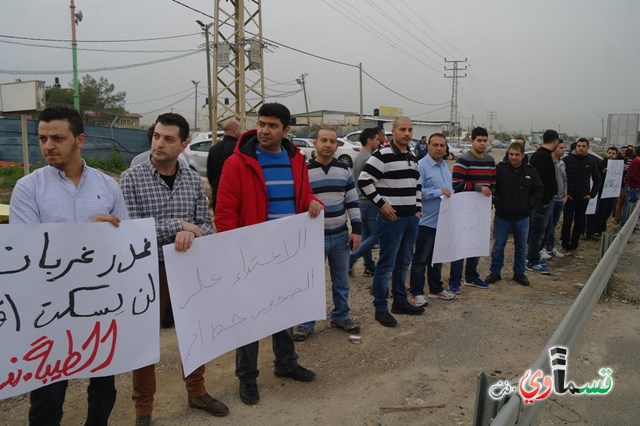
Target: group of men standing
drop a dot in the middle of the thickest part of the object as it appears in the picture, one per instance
(390, 198)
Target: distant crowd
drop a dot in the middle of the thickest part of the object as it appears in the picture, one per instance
(390, 198)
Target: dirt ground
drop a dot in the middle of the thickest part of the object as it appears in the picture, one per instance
(431, 360)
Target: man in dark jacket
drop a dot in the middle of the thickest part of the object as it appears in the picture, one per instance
(518, 190)
(542, 161)
(219, 153)
(581, 169)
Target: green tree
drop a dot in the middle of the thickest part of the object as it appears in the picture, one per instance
(95, 95)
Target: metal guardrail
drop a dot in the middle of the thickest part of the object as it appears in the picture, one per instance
(514, 411)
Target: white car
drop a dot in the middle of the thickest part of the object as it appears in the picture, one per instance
(306, 147)
(196, 153)
(355, 136)
(347, 151)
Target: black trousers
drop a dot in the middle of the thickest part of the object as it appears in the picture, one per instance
(573, 222)
(605, 209)
(46, 402)
(283, 348)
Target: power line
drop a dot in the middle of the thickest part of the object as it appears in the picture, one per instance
(99, 41)
(402, 96)
(89, 70)
(97, 50)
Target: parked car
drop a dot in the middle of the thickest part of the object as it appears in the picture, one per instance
(347, 151)
(355, 136)
(196, 153)
(306, 147)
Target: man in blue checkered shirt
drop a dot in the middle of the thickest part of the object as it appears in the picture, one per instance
(167, 190)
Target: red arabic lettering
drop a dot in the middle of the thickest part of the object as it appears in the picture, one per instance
(76, 361)
(535, 386)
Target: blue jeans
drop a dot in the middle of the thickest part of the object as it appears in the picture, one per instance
(368, 213)
(501, 229)
(629, 204)
(550, 233)
(422, 257)
(540, 218)
(336, 250)
(397, 238)
(470, 270)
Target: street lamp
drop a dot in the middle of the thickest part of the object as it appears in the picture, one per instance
(195, 109)
(75, 18)
(559, 128)
(205, 28)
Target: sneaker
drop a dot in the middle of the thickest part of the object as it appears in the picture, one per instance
(521, 279)
(420, 300)
(477, 282)
(545, 255)
(368, 273)
(347, 325)
(444, 295)
(406, 308)
(539, 267)
(386, 319)
(143, 420)
(301, 334)
(557, 253)
(454, 287)
(209, 404)
(299, 374)
(492, 278)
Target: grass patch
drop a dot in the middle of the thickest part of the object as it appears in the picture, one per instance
(114, 163)
(9, 175)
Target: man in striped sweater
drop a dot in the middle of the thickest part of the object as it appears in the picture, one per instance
(475, 170)
(391, 180)
(333, 184)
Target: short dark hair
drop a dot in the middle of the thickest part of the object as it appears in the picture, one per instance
(63, 113)
(479, 131)
(560, 141)
(173, 119)
(274, 109)
(583, 140)
(367, 134)
(550, 136)
(517, 146)
(436, 135)
(637, 149)
(613, 148)
(522, 139)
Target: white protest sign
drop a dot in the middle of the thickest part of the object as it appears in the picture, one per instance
(236, 287)
(613, 180)
(591, 207)
(464, 227)
(76, 300)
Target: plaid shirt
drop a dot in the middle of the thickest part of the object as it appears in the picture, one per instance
(147, 195)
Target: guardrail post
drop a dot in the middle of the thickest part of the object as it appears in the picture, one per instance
(486, 407)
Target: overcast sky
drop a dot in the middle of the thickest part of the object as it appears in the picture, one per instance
(541, 64)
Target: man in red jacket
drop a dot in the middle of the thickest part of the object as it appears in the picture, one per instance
(266, 178)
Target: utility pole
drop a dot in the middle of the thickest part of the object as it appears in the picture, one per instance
(75, 18)
(238, 84)
(454, 90)
(195, 108)
(602, 125)
(205, 28)
(304, 91)
(361, 123)
(491, 115)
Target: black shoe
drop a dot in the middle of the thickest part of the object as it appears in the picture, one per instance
(406, 309)
(249, 393)
(299, 374)
(209, 404)
(492, 278)
(521, 279)
(347, 325)
(386, 319)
